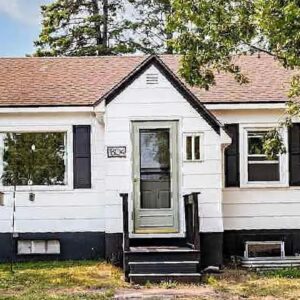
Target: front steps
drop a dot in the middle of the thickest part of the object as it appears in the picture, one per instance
(162, 263)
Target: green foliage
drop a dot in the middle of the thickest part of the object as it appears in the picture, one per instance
(83, 28)
(211, 33)
(149, 25)
(33, 159)
(283, 273)
(103, 27)
(273, 144)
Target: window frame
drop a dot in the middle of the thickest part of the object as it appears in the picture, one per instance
(33, 249)
(283, 158)
(68, 156)
(201, 146)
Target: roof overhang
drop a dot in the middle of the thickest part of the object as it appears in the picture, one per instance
(247, 106)
(46, 109)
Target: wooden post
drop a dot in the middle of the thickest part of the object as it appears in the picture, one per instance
(188, 220)
(196, 221)
(125, 235)
(125, 222)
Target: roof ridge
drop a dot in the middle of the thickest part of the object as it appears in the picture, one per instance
(75, 57)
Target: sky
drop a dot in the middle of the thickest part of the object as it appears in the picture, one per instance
(19, 26)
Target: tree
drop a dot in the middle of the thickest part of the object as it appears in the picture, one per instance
(210, 33)
(83, 27)
(149, 25)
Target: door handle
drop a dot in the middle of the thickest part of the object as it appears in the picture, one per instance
(136, 179)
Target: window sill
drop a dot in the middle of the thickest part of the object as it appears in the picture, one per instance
(257, 187)
(36, 188)
(264, 185)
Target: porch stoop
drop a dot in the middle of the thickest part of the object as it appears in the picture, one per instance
(170, 259)
(162, 263)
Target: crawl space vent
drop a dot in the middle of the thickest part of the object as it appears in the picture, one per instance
(151, 78)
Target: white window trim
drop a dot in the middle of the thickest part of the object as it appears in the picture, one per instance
(193, 134)
(283, 159)
(68, 159)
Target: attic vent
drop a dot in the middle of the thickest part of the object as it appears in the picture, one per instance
(152, 78)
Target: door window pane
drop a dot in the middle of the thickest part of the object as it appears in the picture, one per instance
(155, 168)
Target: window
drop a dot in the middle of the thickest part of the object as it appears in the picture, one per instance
(193, 147)
(256, 170)
(33, 158)
(27, 247)
(264, 249)
(259, 167)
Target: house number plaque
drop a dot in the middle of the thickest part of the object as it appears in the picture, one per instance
(119, 151)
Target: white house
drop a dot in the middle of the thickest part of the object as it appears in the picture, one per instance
(130, 126)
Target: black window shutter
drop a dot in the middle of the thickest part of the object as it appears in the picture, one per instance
(294, 154)
(232, 159)
(82, 156)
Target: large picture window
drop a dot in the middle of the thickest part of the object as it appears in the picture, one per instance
(259, 167)
(34, 158)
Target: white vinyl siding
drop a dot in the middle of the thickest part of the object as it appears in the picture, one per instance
(58, 208)
(162, 102)
(262, 206)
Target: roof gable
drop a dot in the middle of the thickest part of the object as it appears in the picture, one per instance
(172, 78)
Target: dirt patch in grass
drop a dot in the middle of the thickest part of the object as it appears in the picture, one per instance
(187, 292)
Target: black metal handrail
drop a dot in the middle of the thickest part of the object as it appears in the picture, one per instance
(192, 220)
(126, 246)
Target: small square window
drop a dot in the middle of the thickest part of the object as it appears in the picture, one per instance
(193, 147)
(27, 247)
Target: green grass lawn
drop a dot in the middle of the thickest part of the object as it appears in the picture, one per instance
(59, 280)
(98, 280)
(278, 284)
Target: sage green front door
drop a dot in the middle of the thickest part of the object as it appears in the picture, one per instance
(155, 177)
